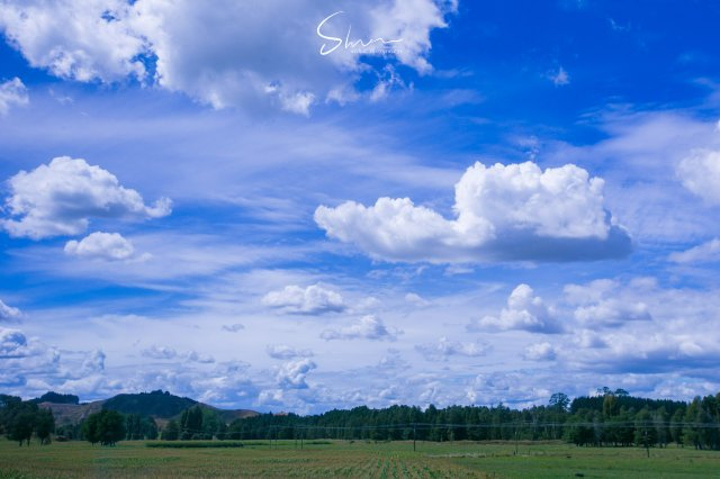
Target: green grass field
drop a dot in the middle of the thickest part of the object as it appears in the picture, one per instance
(357, 459)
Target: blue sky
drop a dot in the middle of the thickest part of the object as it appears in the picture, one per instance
(499, 201)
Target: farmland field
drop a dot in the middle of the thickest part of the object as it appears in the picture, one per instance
(354, 459)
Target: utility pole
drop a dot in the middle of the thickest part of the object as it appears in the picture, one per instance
(414, 435)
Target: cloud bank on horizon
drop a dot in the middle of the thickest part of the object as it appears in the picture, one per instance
(324, 205)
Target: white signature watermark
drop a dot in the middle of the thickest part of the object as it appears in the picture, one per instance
(373, 45)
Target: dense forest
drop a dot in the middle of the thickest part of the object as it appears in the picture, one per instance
(610, 418)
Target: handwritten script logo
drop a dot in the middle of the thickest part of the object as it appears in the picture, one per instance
(347, 43)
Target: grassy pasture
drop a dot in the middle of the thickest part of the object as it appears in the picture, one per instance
(358, 459)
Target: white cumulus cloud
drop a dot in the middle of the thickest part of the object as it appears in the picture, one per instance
(312, 300)
(60, 199)
(503, 212)
(167, 353)
(411, 21)
(99, 245)
(605, 303)
(283, 351)
(12, 92)
(13, 343)
(159, 352)
(94, 362)
(700, 174)
(79, 40)
(445, 348)
(225, 53)
(540, 352)
(292, 374)
(24, 360)
(589, 339)
(524, 311)
(367, 327)
(656, 353)
(395, 229)
(611, 312)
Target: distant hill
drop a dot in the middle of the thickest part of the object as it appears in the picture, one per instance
(229, 415)
(57, 398)
(160, 405)
(71, 413)
(156, 404)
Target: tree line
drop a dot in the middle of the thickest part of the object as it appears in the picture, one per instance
(610, 418)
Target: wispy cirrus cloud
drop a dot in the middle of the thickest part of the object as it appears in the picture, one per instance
(233, 328)
(9, 313)
(560, 77)
(705, 252)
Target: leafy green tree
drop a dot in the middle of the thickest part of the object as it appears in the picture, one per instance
(171, 431)
(559, 402)
(150, 429)
(645, 434)
(21, 426)
(691, 433)
(558, 405)
(708, 417)
(91, 428)
(44, 425)
(191, 423)
(133, 427)
(104, 427)
(676, 428)
(611, 406)
(661, 422)
(18, 418)
(236, 429)
(212, 424)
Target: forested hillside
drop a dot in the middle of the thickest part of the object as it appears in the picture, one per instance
(156, 403)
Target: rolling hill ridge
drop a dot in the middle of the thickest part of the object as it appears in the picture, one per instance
(158, 404)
